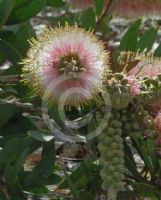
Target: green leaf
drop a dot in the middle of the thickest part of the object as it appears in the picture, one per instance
(129, 164)
(147, 39)
(20, 39)
(10, 52)
(53, 179)
(126, 195)
(54, 113)
(140, 146)
(48, 158)
(32, 183)
(15, 147)
(85, 175)
(129, 40)
(73, 189)
(86, 195)
(41, 190)
(158, 51)
(26, 12)
(9, 152)
(20, 160)
(42, 136)
(88, 18)
(74, 177)
(20, 3)
(146, 190)
(45, 167)
(5, 10)
(18, 125)
(99, 4)
(2, 196)
(34, 120)
(55, 3)
(150, 145)
(6, 112)
(12, 179)
(17, 197)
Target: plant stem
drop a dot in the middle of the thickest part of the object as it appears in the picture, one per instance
(107, 10)
(25, 106)
(10, 79)
(112, 194)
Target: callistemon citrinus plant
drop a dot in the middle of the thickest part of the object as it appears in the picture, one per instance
(137, 8)
(125, 8)
(66, 60)
(72, 62)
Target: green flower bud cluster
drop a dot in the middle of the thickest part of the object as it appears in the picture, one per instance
(119, 90)
(148, 123)
(151, 87)
(112, 156)
(130, 122)
(139, 123)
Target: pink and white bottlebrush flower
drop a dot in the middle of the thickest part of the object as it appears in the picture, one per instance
(66, 62)
(134, 85)
(157, 121)
(124, 8)
(148, 66)
(81, 4)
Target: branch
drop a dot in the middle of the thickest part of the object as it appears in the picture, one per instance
(107, 10)
(10, 79)
(25, 106)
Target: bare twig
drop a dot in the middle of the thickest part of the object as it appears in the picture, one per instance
(107, 10)
(10, 79)
(16, 103)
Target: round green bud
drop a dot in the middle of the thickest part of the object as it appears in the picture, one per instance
(128, 126)
(119, 131)
(108, 181)
(117, 139)
(119, 168)
(115, 161)
(114, 145)
(102, 148)
(119, 186)
(103, 174)
(111, 169)
(119, 76)
(116, 175)
(124, 111)
(120, 153)
(116, 124)
(117, 115)
(124, 118)
(135, 126)
(125, 82)
(111, 131)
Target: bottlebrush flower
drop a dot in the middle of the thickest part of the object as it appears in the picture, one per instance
(66, 61)
(148, 66)
(157, 121)
(125, 8)
(135, 89)
(137, 8)
(81, 4)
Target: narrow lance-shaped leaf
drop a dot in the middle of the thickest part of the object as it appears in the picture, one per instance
(147, 40)
(129, 40)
